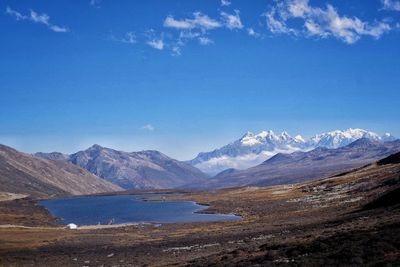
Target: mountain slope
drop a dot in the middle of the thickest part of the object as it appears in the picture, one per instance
(52, 156)
(301, 166)
(136, 170)
(252, 149)
(27, 174)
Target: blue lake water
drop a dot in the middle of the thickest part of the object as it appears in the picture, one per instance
(127, 209)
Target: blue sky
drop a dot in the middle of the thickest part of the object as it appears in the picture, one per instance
(188, 76)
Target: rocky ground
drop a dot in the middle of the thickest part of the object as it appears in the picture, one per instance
(352, 219)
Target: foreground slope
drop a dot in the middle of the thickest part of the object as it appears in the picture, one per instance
(137, 170)
(301, 166)
(25, 174)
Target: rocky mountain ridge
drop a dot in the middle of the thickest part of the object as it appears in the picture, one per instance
(133, 170)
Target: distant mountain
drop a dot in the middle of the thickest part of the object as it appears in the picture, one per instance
(52, 156)
(135, 170)
(338, 138)
(300, 166)
(27, 174)
(252, 149)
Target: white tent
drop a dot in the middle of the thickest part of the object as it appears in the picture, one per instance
(72, 226)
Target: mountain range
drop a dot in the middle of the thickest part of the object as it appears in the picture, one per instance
(273, 159)
(253, 149)
(132, 170)
(300, 166)
(26, 174)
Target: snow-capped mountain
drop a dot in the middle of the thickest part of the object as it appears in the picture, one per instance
(339, 138)
(252, 149)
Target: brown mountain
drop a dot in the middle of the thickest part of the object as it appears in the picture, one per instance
(137, 170)
(26, 174)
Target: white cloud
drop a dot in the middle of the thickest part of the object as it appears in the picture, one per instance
(36, 18)
(194, 28)
(176, 50)
(189, 35)
(203, 40)
(232, 21)
(391, 5)
(56, 28)
(156, 44)
(252, 32)
(148, 127)
(16, 14)
(276, 25)
(205, 22)
(199, 21)
(225, 3)
(321, 22)
(129, 38)
(178, 24)
(95, 3)
(44, 18)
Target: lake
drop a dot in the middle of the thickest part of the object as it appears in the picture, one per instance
(119, 209)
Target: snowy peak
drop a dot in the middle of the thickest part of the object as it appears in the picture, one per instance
(252, 149)
(387, 137)
(269, 137)
(299, 139)
(339, 138)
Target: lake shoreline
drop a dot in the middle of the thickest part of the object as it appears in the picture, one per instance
(152, 209)
(279, 224)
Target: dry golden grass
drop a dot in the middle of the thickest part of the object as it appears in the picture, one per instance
(289, 214)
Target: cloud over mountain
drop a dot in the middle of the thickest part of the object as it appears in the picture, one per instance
(252, 149)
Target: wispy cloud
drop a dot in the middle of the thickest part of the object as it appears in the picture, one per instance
(178, 24)
(95, 3)
(148, 127)
(195, 27)
(156, 44)
(232, 21)
(321, 22)
(253, 33)
(276, 24)
(176, 50)
(199, 21)
(225, 3)
(155, 40)
(36, 18)
(127, 38)
(203, 40)
(391, 5)
(297, 18)
(16, 14)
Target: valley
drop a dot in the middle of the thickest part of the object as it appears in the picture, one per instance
(351, 218)
(200, 133)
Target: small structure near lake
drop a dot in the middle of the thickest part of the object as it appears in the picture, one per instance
(72, 226)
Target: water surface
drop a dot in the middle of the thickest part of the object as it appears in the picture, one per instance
(128, 209)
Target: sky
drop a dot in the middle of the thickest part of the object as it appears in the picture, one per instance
(187, 76)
